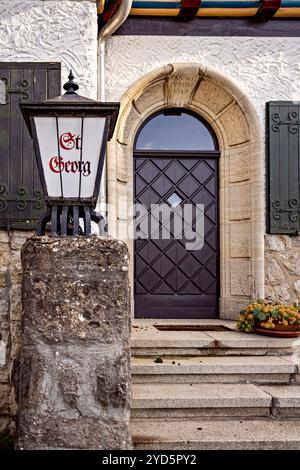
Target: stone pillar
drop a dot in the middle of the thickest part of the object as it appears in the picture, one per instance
(72, 382)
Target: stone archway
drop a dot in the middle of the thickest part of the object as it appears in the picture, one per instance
(233, 118)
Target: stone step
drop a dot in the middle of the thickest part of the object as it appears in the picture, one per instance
(219, 369)
(199, 400)
(201, 434)
(147, 340)
(285, 400)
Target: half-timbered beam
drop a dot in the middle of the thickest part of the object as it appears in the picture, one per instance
(189, 8)
(267, 9)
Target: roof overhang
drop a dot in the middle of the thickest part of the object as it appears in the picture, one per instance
(261, 9)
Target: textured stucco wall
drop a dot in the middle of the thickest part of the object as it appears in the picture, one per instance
(264, 69)
(60, 31)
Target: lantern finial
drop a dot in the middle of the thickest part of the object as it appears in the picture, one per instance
(71, 87)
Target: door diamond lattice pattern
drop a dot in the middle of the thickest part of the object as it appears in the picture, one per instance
(171, 281)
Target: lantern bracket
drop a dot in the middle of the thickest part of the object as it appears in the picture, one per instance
(65, 220)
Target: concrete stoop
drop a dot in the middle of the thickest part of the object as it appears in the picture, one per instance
(213, 390)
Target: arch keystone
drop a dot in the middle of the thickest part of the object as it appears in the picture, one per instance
(182, 84)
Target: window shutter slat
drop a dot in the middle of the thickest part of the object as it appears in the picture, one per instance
(283, 163)
(21, 196)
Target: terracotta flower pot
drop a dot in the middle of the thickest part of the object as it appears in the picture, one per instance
(280, 331)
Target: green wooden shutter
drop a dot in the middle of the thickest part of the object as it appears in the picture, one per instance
(21, 196)
(283, 167)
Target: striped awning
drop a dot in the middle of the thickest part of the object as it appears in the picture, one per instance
(217, 8)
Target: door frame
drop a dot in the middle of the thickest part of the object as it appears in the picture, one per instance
(201, 155)
(217, 98)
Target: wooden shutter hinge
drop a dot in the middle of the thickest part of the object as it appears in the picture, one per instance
(21, 90)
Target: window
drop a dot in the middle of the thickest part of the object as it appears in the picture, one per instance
(175, 129)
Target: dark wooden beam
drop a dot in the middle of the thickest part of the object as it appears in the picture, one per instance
(267, 10)
(228, 27)
(189, 8)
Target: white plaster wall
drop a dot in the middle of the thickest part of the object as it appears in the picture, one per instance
(264, 68)
(52, 30)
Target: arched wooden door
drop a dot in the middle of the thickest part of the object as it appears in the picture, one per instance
(176, 165)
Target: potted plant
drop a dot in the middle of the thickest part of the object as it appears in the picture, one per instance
(270, 318)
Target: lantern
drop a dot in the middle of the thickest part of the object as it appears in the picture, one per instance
(70, 134)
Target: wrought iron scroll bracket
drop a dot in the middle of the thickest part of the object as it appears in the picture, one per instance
(293, 122)
(293, 210)
(21, 199)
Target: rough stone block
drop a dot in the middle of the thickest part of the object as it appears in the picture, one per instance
(18, 238)
(68, 286)
(58, 433)
(5, 425)
(4, 236)
(4, 398)
(279, 243)
(72, 383)
(15, 303)
(15, 337)
(3, 278)
(3, 346)
(4, 256)
(274, 272)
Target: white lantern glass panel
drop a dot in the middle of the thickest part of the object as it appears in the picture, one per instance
(46, 134)
(93, 132)
(70, 150)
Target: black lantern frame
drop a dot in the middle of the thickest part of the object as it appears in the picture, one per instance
(64, 213)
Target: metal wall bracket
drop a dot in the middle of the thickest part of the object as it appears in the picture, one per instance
(65, 221)
(21, 198)
(20, 90)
